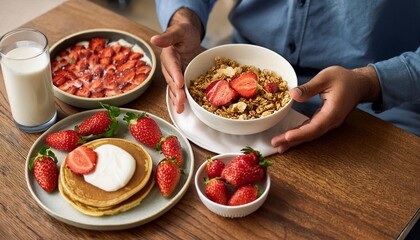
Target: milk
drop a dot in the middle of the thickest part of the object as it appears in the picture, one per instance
(27, 77)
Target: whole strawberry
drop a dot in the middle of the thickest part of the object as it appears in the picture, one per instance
(216, 190)
(249, 167)
(244, 195)
(65, 140)
(102, 124)
(144, 129)
(168, 175)
(44, 166)
(214, 167)
(171, 148)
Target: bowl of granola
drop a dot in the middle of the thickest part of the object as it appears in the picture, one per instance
(239, 89)
(101, 65)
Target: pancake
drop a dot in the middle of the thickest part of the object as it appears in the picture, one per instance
(76, 188)
(123, 206)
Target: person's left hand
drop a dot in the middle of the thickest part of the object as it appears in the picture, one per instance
(341, 90)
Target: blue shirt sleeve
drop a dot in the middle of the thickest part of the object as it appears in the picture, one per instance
(166, 8)
(400, 79)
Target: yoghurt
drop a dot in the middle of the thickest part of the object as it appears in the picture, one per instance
(113, 170)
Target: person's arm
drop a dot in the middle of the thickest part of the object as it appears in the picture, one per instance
(180, 43)
(166, 9)
(187, 16)
(400, 79)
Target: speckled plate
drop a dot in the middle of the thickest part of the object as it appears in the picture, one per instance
(153, 206)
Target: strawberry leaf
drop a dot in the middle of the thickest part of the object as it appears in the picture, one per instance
(43, 152)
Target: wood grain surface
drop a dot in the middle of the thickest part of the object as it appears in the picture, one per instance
(359, 181)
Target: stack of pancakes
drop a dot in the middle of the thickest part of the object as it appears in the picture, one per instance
(94, 201)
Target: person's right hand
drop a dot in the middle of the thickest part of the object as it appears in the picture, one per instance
(180, 43)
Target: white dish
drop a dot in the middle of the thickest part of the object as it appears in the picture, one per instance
(153, 206)
(229, 211)
(218, 142)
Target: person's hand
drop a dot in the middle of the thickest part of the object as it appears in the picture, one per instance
(341, 90)
(180, 43)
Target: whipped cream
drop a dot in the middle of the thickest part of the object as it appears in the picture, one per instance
(113, 170)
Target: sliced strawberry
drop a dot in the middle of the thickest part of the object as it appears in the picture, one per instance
(271, 87)
(219, 93)
(126, 76)
(135, 56)
(93, 60)
(126, 66)
(105, 61)
(246, 84)
(107, 52)
(128, 86)
(117, 47)
(83, 92)
(77, 48)
(82, 160)
(97, 95)
(97, 44)
(139, 78)
(81, 65)
(113, 92)
(144, 69)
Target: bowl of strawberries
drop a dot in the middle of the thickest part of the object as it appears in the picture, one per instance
(239, 89)
(234, 185)
(101, 65)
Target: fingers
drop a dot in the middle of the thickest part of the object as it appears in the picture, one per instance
(172, 67)
(179, 107)
(309, 130)
(176, 91)
(170, 37)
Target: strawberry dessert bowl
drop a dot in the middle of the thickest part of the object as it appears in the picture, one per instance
(227, 194)
(101, 65)
(239, 89)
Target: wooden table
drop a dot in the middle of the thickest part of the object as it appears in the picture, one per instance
(359, 181)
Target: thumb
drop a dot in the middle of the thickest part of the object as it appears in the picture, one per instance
(162, 40)
(306, 91)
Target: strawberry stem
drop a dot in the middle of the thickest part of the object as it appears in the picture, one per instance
(113, 113)
(44, 151)
(262, 161)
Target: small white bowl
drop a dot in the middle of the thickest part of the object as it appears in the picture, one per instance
(111, 35)
(223, 210)
(244, 54)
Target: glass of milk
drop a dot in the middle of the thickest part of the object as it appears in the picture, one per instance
(25, 65)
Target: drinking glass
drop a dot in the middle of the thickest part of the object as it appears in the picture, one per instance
(25, 65)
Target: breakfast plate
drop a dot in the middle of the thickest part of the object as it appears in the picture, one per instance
(153, 206)
(218, 142)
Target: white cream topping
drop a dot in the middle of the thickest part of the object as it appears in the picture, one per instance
(113, 170)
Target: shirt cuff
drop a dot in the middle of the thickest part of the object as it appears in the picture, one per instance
(165, 10)
(399, 79)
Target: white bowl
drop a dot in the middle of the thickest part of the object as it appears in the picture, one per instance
(223, 210)
(244, 54)
(110, 35)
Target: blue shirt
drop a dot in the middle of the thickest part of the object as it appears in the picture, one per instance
(313, 35)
